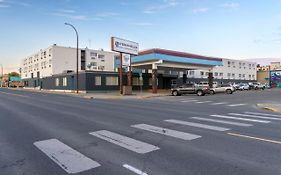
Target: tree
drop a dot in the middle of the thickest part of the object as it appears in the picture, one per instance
(14, 74)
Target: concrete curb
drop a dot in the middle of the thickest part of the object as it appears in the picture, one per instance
(267, 107)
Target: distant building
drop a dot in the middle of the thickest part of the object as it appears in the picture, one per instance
(232, 70)
(57, 60)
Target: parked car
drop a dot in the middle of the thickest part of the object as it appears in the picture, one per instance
(258, 86)
(243, 86)
(224, 88)
(190, 88)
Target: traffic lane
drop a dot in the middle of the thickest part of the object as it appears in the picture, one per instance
(36, 125)
(119, 111)
(206, 159)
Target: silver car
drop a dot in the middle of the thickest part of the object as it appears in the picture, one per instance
(224, 88)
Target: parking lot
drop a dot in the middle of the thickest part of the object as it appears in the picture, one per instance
(189, 134)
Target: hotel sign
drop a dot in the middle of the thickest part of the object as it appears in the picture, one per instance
(124, 46)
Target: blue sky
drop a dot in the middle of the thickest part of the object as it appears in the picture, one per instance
(223, 28)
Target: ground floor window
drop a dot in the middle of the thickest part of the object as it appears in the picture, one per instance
(137, 81)
(98, 80)
(64, 81)
(111, 81)
(57, 81)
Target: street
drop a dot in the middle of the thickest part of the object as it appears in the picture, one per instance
(51, 134)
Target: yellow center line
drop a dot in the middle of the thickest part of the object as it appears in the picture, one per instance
(14, 94)
(255, 138)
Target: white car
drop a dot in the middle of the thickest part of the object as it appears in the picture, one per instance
(243, 86)
(224, 88)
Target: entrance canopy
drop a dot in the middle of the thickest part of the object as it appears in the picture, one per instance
(173, 60)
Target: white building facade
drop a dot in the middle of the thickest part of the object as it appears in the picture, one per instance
(231, 70)
(57, 59)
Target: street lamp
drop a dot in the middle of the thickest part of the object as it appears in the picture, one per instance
(77, 61)
(1, 75)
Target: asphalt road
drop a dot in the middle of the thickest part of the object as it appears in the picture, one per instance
(48, 134)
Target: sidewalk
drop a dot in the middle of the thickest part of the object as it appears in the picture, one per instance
(103, 94)
(272, 107)
(116, 95)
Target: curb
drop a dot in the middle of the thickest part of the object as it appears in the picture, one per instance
(267, 107)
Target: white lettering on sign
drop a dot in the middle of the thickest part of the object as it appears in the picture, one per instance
(124, 46)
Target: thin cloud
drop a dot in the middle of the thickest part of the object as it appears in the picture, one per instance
(4, 6)
(200, 10)
(232, 5)
(165, 5)
(65, 11)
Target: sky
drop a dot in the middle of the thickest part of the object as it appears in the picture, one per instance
(237, 29)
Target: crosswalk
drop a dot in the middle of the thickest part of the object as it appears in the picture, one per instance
(207, 102)
(72, 161)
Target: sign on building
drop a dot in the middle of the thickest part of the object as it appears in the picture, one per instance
(124, 46)
(126, 61)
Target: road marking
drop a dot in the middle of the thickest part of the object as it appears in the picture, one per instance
(14, 94)
(125, 142)
(255, 138)
(167, 132)
(201, 102)
(255, 116)
(198, 125)
(135, 170)
(235, 105)
(67, 158)
(222, 121)
(238, 118)
(257, 113)
(186, 101)
(220, 103)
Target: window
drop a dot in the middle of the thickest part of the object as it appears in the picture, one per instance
(64, 81)
(111, 81)
(250, 76)
(98, 80)
(233, 75)
(57, 82)
(240, 75)
(150, 81)
(101, 68)
(216, 74)
(228, 63)
(244, 75)
(93, 54)
(233, 64)
(202, 73)
(207, 73)
(228, 74)
(221, 74)
(50, 52)
(191, 72)
(101, 56)
(137, 81)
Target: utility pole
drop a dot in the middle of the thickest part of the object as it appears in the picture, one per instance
(77, 59)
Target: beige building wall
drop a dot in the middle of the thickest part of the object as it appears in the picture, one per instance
(263, 77)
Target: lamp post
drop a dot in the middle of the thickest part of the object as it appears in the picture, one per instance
(77, 59)
(1, 75)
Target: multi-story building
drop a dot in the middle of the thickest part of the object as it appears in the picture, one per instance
(57, 59)
(231, 70)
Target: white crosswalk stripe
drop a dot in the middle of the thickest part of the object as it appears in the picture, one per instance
(125, 142)
(202, 102)
(238, 118)
(67, 158)
(198, 125)
(235, 105)
(222, 121)
(186, 101)
(255, 116)
(167, 132)
(220, 103)
(257, 113)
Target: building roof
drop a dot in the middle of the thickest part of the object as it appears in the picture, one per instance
(178, 54)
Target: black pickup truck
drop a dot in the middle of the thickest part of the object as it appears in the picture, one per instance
(191, 88)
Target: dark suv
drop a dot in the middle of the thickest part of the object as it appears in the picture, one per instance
(190, 89)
